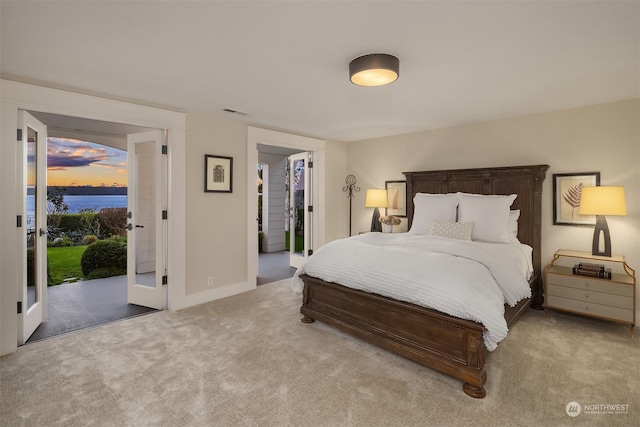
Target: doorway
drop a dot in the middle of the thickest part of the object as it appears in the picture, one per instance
(260, 143)
(273, 214)
(93, 301)
(16, 96)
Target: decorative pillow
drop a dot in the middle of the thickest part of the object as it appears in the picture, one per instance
(450, 229)
(489, 213)
(514, 215)
(432, 207)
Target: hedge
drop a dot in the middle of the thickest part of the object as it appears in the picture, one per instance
(104, 254)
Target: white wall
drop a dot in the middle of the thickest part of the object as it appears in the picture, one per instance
(216, 222)
(337, 203)
(604, 138)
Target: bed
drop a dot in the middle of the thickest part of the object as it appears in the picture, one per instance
(446, 343)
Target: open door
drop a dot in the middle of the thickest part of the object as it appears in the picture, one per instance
(300, 209)
(146, 247)
(32, 173)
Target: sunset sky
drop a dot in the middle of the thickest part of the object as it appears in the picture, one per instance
(71, 162)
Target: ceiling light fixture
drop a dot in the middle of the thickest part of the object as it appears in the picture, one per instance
(375, 69)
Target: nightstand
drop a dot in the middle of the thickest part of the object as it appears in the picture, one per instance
(610, 299)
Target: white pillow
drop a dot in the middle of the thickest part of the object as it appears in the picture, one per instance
(489, 213)
(432, 207)
(514, 215)
(450, 229)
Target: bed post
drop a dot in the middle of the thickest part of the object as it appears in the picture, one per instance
(537, 298)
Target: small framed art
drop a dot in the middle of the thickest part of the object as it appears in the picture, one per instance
(218, 174)
(567, 190)
(396, 198)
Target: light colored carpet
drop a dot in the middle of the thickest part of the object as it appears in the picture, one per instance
(248, 360)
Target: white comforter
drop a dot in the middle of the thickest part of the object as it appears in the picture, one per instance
(465, 279)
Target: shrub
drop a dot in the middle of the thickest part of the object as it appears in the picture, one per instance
(60, 241)
(120, 239)
(89, 239)
(113, 221)
(102, 272)
(76, 226)
(75, 222)
(104, 254)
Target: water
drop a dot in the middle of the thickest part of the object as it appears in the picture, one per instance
(78, 203)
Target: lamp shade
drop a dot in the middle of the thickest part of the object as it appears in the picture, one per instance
(603, 201)
(376, 69)
(376, 198)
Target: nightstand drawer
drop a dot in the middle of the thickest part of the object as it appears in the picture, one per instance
(589, 308)
(587, 295)
(588, 283)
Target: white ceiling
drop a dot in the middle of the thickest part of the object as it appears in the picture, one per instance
(285, 64)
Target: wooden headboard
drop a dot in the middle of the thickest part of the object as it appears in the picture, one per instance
(525, 181)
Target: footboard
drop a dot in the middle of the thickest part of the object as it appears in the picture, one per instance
(447, 344)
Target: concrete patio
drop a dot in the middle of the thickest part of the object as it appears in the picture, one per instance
(87, 303)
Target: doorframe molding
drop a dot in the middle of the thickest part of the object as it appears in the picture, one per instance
(15, 96)
(262, 136)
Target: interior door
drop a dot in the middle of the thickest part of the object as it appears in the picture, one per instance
(146, 247)
(32, 170)
(300, 208)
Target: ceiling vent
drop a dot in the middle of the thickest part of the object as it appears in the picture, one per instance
(232, 111)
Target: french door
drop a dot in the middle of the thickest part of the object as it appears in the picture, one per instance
(32, 174)
(300, 209)
(146, 236)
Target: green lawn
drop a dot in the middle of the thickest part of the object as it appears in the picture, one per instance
(64, 263)
(299, 242)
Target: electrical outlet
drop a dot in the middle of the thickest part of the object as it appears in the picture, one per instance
(210, 281)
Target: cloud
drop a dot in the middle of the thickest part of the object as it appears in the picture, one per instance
(68, 153)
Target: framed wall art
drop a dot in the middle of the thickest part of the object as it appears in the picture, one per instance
(567, 190)
(218, 174)
(396, 198)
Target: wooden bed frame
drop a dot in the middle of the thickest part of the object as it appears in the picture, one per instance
(445, 343)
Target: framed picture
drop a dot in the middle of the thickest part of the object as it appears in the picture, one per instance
(396, 198)
(218, 174)
(567, 189)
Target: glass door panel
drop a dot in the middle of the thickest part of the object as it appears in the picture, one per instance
(299, 211)
(31, 147)
(297, 205)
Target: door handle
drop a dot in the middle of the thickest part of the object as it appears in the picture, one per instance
(139, 226)
(129, 226)
(43, 232)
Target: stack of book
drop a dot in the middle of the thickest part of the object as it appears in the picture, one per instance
(592, 270)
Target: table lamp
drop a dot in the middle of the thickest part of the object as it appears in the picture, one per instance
(376, 198)
(602, 201)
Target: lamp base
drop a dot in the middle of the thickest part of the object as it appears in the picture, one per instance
(601, 227)
(375, 221)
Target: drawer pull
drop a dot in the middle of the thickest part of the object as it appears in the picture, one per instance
(586, 295)
(586, 307)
